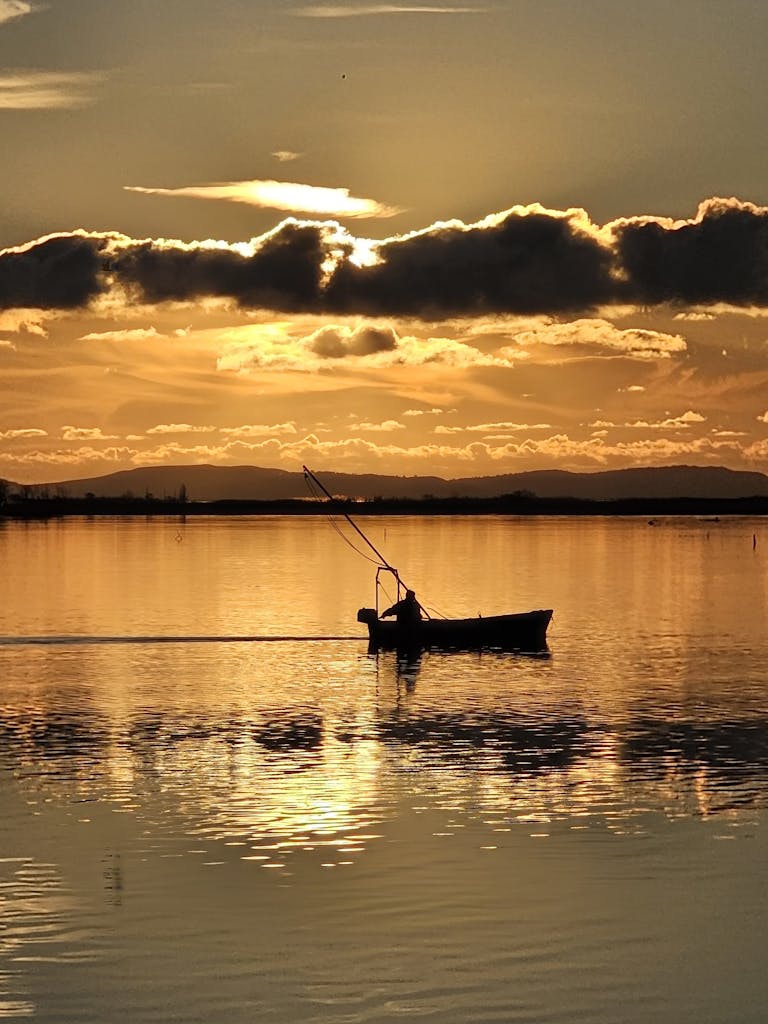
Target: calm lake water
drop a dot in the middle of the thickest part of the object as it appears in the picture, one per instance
(298, 831)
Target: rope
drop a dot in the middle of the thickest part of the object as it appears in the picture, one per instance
(379, 562)
(350, 543)
(439, 614)
(334, 524)
(386, 593)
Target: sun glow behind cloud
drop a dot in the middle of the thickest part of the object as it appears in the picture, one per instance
(523, 261)
(519, 339)
(280, 195)
(458, 336)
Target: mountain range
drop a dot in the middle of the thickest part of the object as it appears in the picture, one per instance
(217, 483)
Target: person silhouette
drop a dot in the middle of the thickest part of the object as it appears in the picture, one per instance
(407, 611)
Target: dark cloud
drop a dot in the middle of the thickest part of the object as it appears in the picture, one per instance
(367, 341)
(328, 343)
(284, 273)
(59, 272)
(721, 256)
(526, 261)
(337, 342)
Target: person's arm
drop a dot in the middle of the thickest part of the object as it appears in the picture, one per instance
(389, 611)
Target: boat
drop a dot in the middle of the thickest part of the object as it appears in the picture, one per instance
(520, 631)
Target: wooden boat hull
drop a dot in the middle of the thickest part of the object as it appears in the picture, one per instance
(524, 631)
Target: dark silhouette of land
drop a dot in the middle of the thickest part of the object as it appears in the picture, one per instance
(521, 504)
(195, 484)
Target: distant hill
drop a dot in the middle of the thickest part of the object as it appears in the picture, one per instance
(649, 482)
(214, 483)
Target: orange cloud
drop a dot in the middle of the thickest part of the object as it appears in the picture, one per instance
(682, 422)
(387, 426)
(602, 336)
(85, 434)
(24, 432)
(500, 428)
(136, 334)
(26, 321)
(364, 455)
(334, 346)
(180, 428)
(260, 430)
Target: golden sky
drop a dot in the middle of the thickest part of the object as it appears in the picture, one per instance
(437, 238)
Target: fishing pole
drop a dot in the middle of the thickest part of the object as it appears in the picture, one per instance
(309, 475)
(352, 523)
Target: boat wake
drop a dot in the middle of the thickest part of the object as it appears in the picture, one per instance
(67, 641)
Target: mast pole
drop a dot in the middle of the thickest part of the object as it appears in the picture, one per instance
(384, 563)
(352, 523)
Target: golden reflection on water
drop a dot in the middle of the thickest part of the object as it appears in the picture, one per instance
(486, 817)
(317, 763)
(39, 926)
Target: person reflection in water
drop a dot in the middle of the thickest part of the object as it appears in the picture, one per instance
(407, 611)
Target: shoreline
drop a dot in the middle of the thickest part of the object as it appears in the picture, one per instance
(513, 505)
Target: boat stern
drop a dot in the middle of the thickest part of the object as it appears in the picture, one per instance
(367, 615)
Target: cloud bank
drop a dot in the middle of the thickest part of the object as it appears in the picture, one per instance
(360, 453)
(596, 335)
(366, 346)
(526, 261)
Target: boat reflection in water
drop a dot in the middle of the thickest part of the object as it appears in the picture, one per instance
(725, 762)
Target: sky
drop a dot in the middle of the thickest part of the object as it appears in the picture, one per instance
(449, 238)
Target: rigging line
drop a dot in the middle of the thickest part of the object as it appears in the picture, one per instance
(352, 523)
(308, 474)
(347, 541)
(334, 524)
(386, 593)
(438, 613)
